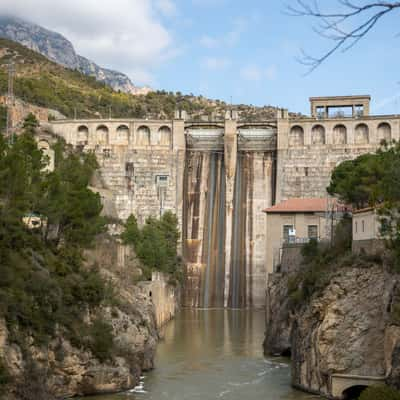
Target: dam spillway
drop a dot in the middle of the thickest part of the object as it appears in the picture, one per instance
(228, 179)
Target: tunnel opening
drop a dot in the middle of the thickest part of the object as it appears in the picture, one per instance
(287, 352)
(353, 392)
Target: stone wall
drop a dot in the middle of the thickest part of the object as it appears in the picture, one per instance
(369, 246)
(310, 148)
(164, 295)
(291, 258)
(141, 162)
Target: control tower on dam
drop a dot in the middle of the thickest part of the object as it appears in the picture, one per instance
(218, 176)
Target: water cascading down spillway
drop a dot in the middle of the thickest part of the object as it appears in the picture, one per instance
(223, 228)
(204, 229)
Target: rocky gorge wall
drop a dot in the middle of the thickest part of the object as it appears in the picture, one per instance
(64, 370)
(345, 330)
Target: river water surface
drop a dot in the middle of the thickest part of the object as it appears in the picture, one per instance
(214, 354)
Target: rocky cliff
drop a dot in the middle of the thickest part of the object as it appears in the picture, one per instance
(62, 369)
(349, 328)
(60, 50)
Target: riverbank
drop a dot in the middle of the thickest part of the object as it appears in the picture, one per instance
(340, 325)
(215, 354)
(62, 369)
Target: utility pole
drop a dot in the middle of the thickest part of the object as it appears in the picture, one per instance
(10, 102)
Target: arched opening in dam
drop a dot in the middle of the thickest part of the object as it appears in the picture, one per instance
(353, 392)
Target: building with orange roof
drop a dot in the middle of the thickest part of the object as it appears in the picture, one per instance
(294, 222)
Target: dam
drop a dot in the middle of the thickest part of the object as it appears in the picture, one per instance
(218, 176)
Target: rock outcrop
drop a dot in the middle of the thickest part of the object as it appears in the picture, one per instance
(278, 316)
(60, 50)
(67, 370)
(348, 328)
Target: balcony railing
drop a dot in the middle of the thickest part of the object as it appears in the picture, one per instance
(298, 240)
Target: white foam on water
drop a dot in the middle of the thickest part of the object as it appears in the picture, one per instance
(139, 389)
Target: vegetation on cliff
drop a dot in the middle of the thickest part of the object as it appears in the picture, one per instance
(318, 292)
(320, 261)
(373, 180)
(44, 289)
(380, 392)
(370, 180)
(44, 83)
(155, 243)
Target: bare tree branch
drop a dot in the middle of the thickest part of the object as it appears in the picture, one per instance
(363, 18)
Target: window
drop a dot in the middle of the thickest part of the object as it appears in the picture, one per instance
(356, 226)
(363, 225)
(320, 111)
(313, 231)
(286, 230)
(129, 169)
(162, 180)
(106, 153)
(359, 110)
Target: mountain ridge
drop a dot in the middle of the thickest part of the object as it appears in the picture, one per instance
(59, 49)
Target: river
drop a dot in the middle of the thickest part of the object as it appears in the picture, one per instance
(214, 354)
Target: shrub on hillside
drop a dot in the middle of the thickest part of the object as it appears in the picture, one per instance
(319, 261)
(155, 243)
(4, 377)
(101, 340)
(44, 287)
(380, 392)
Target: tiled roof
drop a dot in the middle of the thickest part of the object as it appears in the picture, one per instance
(299, 205)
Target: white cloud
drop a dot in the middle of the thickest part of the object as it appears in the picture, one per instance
(215, 63)
(167, 7)
(255, 73)
(125, 35)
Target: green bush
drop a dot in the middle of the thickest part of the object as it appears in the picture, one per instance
(155, 243)
(43, 283)
(131, 234)
(319, 261)
(101, 340)
(5, 378)
(3, 119)
(380, 392)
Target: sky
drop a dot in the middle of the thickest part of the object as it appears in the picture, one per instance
(244, 51)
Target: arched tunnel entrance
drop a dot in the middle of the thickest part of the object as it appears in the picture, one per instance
(353, 392)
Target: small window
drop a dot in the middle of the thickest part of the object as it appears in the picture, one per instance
(313, 231)
(356, 226)
(320, 111)
(162, 180)
(363, 225)
(286, 230)
(107, 153)
(129, 169)
(359, 110)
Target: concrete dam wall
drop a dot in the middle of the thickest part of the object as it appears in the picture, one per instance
(218, 176)
(228, 180)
